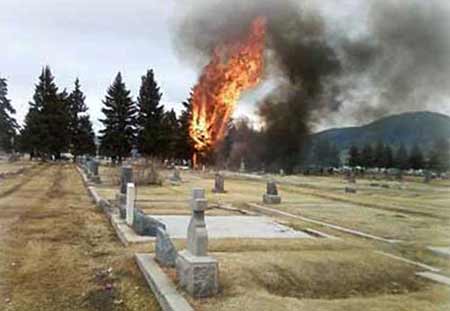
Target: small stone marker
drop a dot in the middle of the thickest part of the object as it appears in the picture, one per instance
(242, 167)
(350, 190)
(219, 182)
(197, 272)
(125, 178)
(427, 177)
(94, 171)
(131, 196)
(176, 176)
(271, 196)
(165, 252)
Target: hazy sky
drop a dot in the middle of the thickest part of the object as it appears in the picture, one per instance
(94, 39)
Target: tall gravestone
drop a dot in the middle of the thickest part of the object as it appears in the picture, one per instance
(131, 197)
(219, 184)
(94, 171)
(126, 176)
(271, 196)
(197, 272)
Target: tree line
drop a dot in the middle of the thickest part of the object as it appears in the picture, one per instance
(58, 122)
(385, 156)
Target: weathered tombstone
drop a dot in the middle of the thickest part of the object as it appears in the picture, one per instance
(242, 167)
(427, 176)
(131, 196)
(94, 171)
(271, 196)
(219, 184)
(197, 272)
(350, 190)
(145, 225)
(175, 176)
(165, 252)
(126, 177)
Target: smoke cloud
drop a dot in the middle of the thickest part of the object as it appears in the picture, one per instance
(393, 56)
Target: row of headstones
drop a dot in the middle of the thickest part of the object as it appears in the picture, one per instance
(90, 168)
(270, 197)
(197, 272)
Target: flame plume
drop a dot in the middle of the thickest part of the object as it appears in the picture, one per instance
(234, 68)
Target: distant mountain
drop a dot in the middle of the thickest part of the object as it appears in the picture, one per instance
(409, 128)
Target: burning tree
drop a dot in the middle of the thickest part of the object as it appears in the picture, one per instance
(234, 67)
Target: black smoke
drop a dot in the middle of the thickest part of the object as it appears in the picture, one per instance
(399, 60)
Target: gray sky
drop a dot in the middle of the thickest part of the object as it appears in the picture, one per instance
(94, 39)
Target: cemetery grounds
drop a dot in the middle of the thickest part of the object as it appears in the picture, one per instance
(59, 253)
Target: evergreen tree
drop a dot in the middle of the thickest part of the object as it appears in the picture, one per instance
(46, 129)
(388, 157)
(416, 160)
(379, 155)
(81, 134)
(8, 124)
(170, 133)
(152, 136)
(367, 156)
(354, 156)
(440, 155)
(118, 135)
(401, 158)
(185, 148)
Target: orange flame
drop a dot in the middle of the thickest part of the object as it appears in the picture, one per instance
(234, 68)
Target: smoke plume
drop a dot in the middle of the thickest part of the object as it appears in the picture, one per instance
(391, 56)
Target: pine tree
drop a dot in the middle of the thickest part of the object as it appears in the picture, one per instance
(46, 129)
(367, 156)
(171, 131)
(378, 156)
(401, 158)
(440, 156)
(81, 134)
(416, 160)
(184, 146)
(388, 157)
(152, 136)
(8, 124)
(354, 156)
(118, 135)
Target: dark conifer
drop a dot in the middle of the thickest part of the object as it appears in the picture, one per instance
(118, 135)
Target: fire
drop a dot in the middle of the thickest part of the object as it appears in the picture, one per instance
(234, 68)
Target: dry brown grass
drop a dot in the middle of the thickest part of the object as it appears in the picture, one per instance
(56, 249)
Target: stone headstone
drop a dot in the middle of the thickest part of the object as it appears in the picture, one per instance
(145, 225)
(197, 272)
(272, 188)
(350, 190)
(131, 197)
(165, 252)
(271, 196)
(427, 176)
(242, 167)
(219, 184)
(126, 177)
(175, 176)
(93, 167)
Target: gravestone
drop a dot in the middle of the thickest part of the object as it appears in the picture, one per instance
(93, 167)
(271, 196)
(197, 272)
(219, 184)
(350, 190)
(131, 196)
(145, 225)
(175, 176)
(242, 167)
(165, 252)
(427, 176)
(126, 177)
